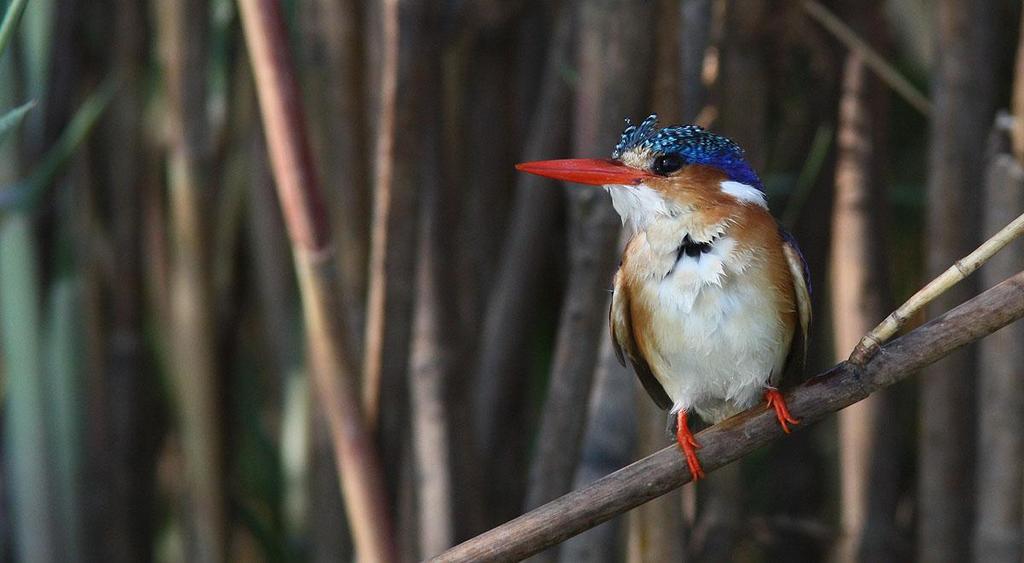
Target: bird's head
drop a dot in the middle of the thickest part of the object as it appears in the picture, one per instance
(663, 171)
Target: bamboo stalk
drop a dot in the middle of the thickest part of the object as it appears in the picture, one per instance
(962, 268)
(657, 474)
(334, 375)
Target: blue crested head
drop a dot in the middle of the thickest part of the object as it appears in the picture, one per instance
(692, 144)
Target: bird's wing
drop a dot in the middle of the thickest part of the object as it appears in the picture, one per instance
(621, 326)
(802, 288)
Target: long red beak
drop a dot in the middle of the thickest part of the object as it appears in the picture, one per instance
(589, 171)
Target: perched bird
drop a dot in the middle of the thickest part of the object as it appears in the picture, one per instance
(711, 301)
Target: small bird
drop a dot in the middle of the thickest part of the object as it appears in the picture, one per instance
(711, 301)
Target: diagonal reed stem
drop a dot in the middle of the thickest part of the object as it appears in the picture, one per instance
(875, 61)
(334, 376)
(962, 268)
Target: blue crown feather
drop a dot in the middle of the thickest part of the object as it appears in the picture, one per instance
(692, 143)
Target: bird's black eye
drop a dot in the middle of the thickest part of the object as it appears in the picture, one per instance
(666, 164)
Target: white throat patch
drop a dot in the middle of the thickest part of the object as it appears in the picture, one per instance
(637, 205)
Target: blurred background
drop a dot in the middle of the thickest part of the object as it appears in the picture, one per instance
(158, 403)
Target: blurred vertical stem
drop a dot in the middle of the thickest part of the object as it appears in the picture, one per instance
(609, 444)
(501, 398)
(121, 451)
(273, 280)
(392, 244)
(998, 530)
(667, 81)
(963, 91)
(33, 487)
(658, 530)
(615, 55)
(695, 36)
(334, 87)
(62, 377)
(185, 28)
(393, 258)
(869, 455)
(481, 142)
(435, 355)
(331, 67)
(1017, 100)
(40, 362)
(305, 217)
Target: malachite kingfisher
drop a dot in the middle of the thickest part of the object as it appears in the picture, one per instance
(711, 301)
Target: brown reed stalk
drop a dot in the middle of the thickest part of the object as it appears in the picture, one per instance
(334, 374)
(183, 30)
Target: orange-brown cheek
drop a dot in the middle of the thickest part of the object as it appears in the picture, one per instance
(695, 186)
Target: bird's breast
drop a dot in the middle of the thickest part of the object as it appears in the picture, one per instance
(708, 318)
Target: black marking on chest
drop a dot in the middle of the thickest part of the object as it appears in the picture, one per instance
(691, 248)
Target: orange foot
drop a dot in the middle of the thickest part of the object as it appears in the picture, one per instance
(689, 446)
(776, 401)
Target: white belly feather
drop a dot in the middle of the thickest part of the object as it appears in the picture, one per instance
(715, 332)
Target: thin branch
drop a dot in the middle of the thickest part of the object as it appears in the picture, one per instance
(334, 375)
(657, 474)
(885, 71)
(393, 225)
(957, 272)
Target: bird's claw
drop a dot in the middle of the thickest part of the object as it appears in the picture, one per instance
(775, 401)
(689, 445)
